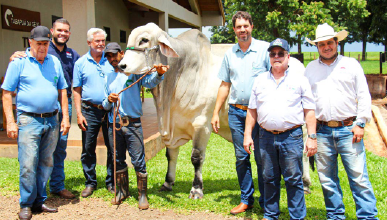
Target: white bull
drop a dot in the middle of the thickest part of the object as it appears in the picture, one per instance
(185, 99)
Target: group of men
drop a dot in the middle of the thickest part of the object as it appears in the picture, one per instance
(270, 98)
(269, 101)
(42, 75)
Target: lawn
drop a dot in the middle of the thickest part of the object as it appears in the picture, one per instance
(220, 183)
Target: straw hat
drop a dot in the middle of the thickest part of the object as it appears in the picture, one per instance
(325, 32)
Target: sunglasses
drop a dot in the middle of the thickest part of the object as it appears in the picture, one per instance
(279, 54)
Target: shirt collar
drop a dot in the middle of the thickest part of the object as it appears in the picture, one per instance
(90, 58)
(285, 75)
(251, 47)
(29, 55)
(55, 48)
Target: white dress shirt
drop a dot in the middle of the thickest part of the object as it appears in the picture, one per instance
(281, 106)
(340, 90)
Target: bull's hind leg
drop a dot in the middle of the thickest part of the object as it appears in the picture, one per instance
(171, 155)
(199, 143)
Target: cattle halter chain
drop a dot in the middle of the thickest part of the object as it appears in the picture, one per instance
(146, 52)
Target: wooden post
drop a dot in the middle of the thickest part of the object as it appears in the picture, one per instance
(380, 63)
(314, 55)
(358, 58)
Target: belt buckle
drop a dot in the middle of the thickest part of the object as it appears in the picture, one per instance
(333, 124)
(41, 115)
(100, 107)
(125, 121)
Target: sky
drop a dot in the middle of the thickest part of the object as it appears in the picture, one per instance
(354, 47)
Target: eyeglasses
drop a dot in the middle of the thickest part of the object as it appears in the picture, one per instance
(101, 73)
(280, 54)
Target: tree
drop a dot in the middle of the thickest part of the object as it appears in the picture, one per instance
(378, 28)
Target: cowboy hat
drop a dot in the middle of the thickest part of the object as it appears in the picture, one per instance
(325, 32)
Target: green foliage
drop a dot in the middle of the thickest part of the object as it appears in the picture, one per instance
(220, 184)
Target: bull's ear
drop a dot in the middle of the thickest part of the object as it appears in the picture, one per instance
(166, 48)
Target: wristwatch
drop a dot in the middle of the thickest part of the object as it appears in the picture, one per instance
(360, 124)
(312, 136)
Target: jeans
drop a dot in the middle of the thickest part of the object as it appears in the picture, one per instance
(282, 154)
(236, 121)
(58, 175)
(95, 119)
(129, 138)
(334, 141)
(37, 138)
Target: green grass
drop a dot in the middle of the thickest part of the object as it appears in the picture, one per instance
(220, 183)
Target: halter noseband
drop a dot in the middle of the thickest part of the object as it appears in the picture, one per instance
(146, 52)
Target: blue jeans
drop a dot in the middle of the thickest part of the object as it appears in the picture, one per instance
(37, 138)
(334, 141)
(129, 138)
(236, 121)
(58, 175)
(95, 120)
(282, 154)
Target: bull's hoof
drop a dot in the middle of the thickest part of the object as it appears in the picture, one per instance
(165, 188)
(195, 194)
(307, 191)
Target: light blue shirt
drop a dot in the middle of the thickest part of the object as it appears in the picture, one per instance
(90, 75)
(37, 84)
(281, 106)
(240, 69)
(130, 99)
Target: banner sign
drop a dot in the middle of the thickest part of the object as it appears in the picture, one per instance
(19, 19)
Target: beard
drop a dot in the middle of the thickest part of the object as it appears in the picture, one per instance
(330, 58)
(60, 43)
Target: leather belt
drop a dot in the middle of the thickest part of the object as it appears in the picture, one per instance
(280, 132)
(42, 115)
(93, 105)
(243, 107)
(335, 124)
(126, 120)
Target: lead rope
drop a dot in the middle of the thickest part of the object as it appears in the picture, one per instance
(116, 113)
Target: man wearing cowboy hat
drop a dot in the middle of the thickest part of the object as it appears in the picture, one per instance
(343, 106)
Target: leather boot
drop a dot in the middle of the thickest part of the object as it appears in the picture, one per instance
(122, 190)
(142, 183)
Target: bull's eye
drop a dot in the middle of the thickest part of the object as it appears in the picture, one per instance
(143, 41)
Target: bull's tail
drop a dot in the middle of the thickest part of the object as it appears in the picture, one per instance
(311, 163)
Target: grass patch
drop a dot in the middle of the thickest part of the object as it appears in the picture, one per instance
(220, 183)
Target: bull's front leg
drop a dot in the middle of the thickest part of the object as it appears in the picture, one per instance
(199, 142)
(171, 154)
(305, 163)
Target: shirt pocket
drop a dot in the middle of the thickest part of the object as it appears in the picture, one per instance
(258, 68)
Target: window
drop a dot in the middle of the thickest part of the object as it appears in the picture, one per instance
(107, 30)
(122, 36)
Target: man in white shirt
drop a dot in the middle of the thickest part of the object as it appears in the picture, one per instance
(280, 100)
(343, 106)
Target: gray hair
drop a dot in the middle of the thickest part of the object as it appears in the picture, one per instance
(92, 31)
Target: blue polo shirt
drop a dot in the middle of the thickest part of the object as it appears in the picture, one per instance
(37, 84)
(241, 68)
(67, 58)
(90, 75)
(130, 99)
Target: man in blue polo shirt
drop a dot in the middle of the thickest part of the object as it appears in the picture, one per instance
(241, 64)
(89, 81)
(130, 136)
(40, 83)
(60, 35)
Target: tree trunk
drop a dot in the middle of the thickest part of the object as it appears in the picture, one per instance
(363, 58)
(299, 45)
(342, 48)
